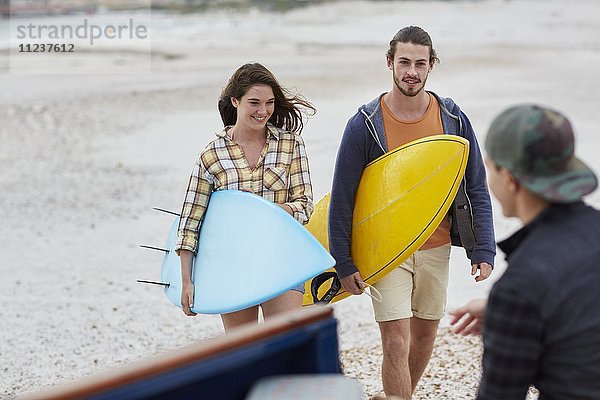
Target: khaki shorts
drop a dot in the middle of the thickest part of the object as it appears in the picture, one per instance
(416, 287)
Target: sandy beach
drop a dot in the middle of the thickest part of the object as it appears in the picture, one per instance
(84, 156)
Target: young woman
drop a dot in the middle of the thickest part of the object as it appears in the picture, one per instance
(259, 150)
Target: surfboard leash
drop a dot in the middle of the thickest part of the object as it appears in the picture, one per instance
(319, 280)
(336, 285)
(373, 292)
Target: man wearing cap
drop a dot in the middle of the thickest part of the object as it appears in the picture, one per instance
(541, 323)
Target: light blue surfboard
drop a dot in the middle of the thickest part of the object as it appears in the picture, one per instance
(249, 251)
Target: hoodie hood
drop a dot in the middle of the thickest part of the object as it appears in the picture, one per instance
(374, 119)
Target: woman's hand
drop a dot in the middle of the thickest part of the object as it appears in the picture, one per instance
(287, 209)
(187, 286)
(187, 298)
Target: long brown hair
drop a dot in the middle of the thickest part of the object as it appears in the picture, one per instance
(289, 107)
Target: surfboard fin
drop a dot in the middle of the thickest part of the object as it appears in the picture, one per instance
(166, 211)
(154, 248)
(154, 282)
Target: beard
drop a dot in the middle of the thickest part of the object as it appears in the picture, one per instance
(408, 92)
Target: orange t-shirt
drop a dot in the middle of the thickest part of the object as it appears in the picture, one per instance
(399, 132)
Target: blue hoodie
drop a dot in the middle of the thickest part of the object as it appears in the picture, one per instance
(364, 141)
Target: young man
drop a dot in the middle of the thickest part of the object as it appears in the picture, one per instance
(414, 294)
(542, 323)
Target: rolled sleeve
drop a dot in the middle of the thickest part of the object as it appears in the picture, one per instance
(300, 195)
(194, 206)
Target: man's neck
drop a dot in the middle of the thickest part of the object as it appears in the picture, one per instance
(407, 108)
(529, 206)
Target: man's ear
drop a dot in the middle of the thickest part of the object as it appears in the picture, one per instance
(511, 182)
(390, 63)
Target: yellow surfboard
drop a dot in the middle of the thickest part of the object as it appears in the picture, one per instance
(402, 198)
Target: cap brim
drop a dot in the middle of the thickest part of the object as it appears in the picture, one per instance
(577, 181)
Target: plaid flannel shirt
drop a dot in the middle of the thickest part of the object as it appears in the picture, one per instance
(542, 324)
(512, 340)
(281, 175)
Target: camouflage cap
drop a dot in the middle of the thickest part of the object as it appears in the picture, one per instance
(537, 145)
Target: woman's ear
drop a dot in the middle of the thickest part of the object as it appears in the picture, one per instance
(234, 101)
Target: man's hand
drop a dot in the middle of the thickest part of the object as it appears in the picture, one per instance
(485, 271)
(470, 317)
(353, 284)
